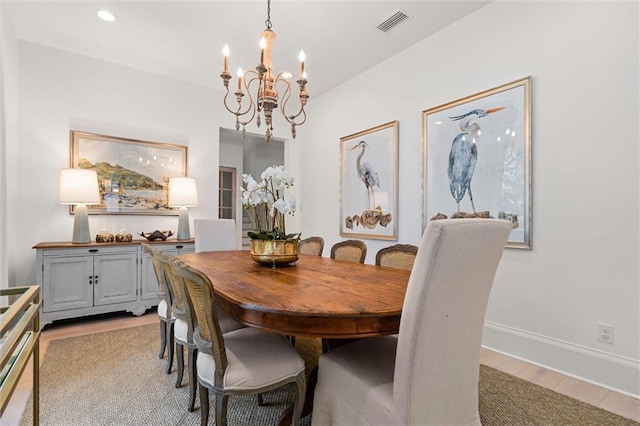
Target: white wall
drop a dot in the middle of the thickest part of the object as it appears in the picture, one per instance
(61, 91)
(583, 268)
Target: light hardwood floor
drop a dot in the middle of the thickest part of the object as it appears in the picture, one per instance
(592, 394)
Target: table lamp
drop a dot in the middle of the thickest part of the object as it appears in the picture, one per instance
(183, 194)
(79, 187)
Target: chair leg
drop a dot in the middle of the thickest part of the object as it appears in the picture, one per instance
(192, 354)
(301, 385)
(163, 338)
(180, 362)
(204, 405)
(170, 347)
(260, 400)
(221, 409)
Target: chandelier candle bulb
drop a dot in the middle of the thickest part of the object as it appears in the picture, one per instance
(240, 75)
(263, 44)
(225, 52)
(301, 57)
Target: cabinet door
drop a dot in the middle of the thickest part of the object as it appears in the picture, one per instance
(67, 283)
(115, 278)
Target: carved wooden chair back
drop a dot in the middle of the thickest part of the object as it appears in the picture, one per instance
(400, 256)
(311, 245)
(349, 251)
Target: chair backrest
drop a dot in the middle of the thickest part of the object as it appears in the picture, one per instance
(200, 301)
(215, 234)
(400, 256)
(349, 251)
(173, 283)
(311, 245)
(437, 359)
(163, 287)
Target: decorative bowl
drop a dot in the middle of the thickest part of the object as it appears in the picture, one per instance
(274, 252)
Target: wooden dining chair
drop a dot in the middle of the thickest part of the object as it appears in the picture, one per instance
(428, 373)
(184, 326)
(349, 251)
(311, 245)
(240, 362)
(399, 256)
(164, 308)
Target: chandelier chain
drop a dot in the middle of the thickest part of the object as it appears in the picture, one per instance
(268, 21)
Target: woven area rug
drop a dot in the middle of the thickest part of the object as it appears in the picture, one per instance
(116, 378)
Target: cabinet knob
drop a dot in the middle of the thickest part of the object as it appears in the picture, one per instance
(93, 250)
(179, 247)
(95, 278)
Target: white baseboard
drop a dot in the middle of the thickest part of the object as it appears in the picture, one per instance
(601, 368)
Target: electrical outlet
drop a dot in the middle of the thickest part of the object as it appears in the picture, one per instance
(605, 333)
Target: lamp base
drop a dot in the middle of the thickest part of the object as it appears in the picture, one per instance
(183, 224)
(81, 232)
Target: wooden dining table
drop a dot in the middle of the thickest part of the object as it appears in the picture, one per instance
(315, 297)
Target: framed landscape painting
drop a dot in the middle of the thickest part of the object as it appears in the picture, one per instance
(133, 175)
(369, 183)
(477, 158)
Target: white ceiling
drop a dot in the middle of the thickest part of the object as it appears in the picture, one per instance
(184, 39)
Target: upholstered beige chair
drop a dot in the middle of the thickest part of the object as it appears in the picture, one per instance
(349, 251)
(164, 308)
(240, 362)
(311, 245)
(427, 374)
(399, 256)
(218, 235)
(215, 234)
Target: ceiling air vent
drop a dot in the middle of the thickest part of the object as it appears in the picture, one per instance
(393, 21)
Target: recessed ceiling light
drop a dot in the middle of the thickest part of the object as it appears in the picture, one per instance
(105, 15)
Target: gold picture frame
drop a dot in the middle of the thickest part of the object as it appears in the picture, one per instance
(133, 175)
(369, 183)
(477, 158)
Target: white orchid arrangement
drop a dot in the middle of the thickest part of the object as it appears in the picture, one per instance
(269, 203)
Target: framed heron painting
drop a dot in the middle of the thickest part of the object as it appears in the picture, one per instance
(133, 175)
(477, 159)
(369, 183)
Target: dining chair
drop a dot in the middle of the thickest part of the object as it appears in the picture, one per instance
(349, 251)
(399, 256)
(311, 245)
(164, 308)
(218, 235)
(428, 372)
(246, 361)
(184, 326)
(215, 234)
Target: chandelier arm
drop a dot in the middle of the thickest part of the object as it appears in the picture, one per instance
(237, 112)
(285, 99)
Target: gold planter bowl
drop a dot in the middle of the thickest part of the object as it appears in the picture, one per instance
(274, 252)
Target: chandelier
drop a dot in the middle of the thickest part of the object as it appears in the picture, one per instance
(266, 97)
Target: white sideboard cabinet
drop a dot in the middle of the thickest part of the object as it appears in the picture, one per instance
(86, 279)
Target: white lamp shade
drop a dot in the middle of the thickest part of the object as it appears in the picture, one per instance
(182, 192)
(79, 186)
